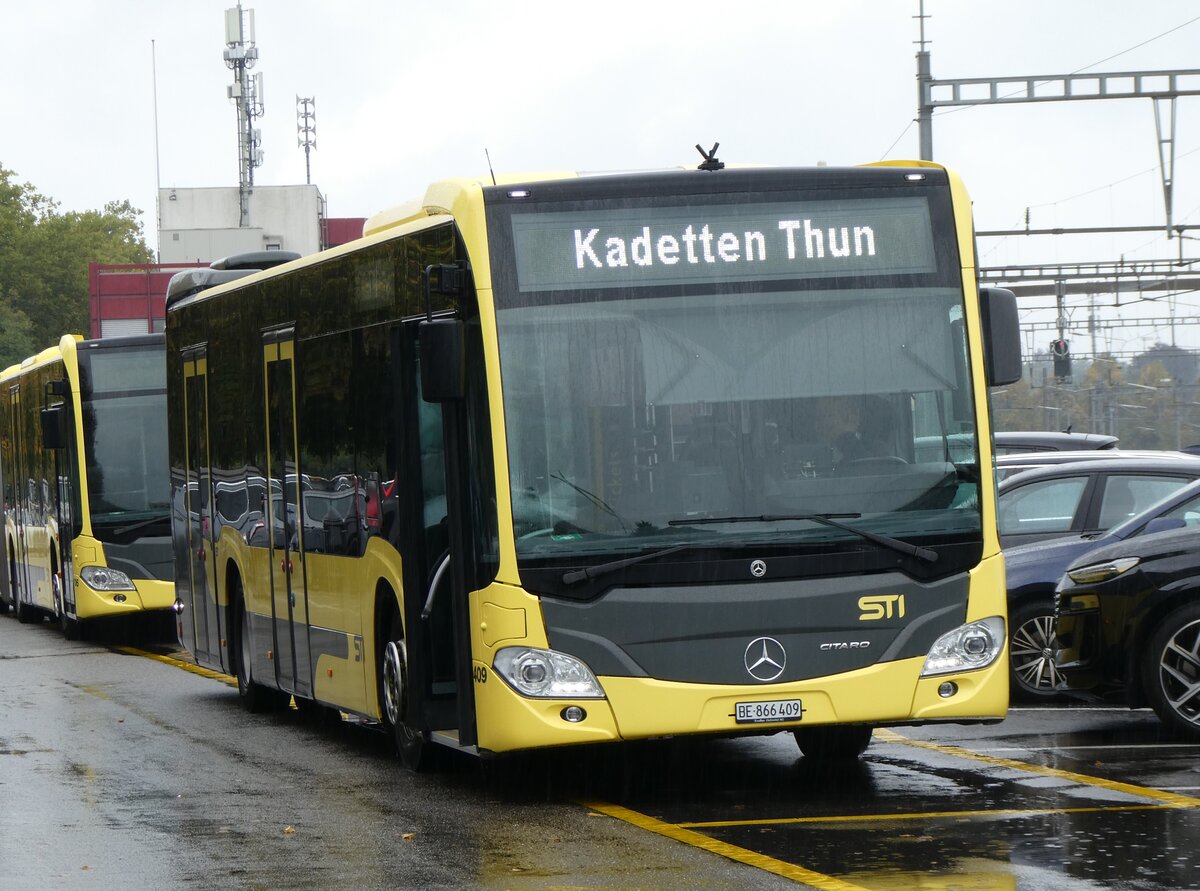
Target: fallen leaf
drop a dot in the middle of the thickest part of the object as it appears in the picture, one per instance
(409, 836)
(289, 830)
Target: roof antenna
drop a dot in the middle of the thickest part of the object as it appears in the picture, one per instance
(710, 158)
(489, 160)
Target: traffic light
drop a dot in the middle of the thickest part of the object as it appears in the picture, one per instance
(1061, 351)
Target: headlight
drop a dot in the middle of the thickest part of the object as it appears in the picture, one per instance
(546, 674)
(966, 648)
(1102, 572)
(101, 578)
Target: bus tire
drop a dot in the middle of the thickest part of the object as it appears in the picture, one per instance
(411, 746)
(839, 742)
(255, 696)
(26, 614)
(72, 629)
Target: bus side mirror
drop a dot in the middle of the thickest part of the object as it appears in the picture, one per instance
(1001, 336)
(54, 428)
(443, 360)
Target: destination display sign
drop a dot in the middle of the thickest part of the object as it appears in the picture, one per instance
(652, 246)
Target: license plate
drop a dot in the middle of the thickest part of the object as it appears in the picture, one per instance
(772, 710)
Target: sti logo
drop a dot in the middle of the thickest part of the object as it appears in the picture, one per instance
(883, 606)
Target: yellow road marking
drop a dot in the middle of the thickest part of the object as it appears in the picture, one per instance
(1170, 798)
(178, 663)
(724, 849)
(931, 815)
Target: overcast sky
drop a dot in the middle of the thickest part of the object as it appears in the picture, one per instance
(407, 93)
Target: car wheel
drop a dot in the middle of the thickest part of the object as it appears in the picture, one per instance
(1171, 671)
(834, 743)
(1032, 672)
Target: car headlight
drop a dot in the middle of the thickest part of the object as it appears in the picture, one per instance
(101, 578)
(546, 674)
(1102, 572)
(966, 648)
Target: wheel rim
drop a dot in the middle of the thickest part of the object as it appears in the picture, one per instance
(1032, 656)
(394, 657)
(1179, 672)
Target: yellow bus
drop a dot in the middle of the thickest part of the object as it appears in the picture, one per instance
(563, 459)
(83, 458)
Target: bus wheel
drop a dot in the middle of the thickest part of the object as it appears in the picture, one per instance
(256, 697)
(72, 629)
(836, 743)
(410, 745)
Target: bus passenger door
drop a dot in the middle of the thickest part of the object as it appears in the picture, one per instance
(289, 597)
(201, 619)
(436, 619)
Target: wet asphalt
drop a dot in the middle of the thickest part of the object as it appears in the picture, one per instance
(120, 770)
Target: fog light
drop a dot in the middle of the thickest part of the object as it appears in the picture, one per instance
(947, 689)
(574, 714)
(118, 598)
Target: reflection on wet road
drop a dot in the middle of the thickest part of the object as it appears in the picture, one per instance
(114, 766)
(921, 814)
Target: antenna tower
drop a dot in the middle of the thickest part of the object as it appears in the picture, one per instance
(306, 131)
(246, 91)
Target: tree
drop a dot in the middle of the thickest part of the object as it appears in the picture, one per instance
(44, 256)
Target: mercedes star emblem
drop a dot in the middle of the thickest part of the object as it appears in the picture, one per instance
(765, 658)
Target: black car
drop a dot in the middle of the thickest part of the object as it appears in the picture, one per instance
(1033, 571)
(1129, 620)
(1082, 497)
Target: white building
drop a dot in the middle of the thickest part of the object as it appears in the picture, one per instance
(202, 224)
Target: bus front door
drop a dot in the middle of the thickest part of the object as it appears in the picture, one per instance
(201, 619)
(289, 597)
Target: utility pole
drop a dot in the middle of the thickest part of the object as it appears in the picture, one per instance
(1164, 87)
(924, 80)
(246, 91)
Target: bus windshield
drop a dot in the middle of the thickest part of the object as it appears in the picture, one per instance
(124, 401)
(754, 394)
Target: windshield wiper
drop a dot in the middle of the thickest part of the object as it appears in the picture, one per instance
(593, 498)
(895, 544)
(592, 572)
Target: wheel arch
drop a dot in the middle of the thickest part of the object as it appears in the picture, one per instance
(386, 609)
